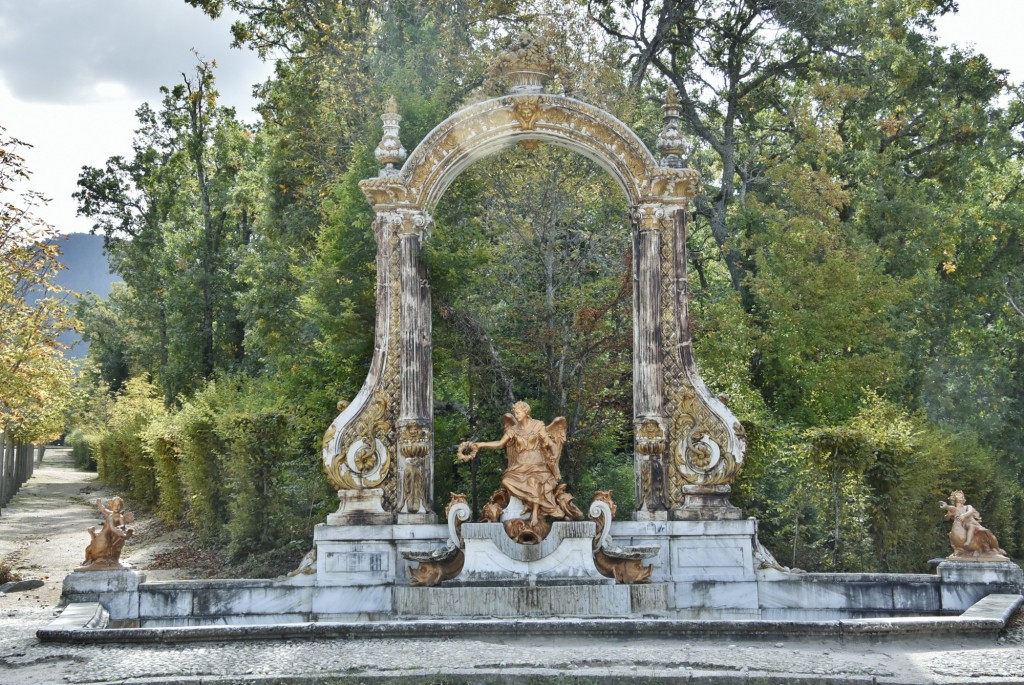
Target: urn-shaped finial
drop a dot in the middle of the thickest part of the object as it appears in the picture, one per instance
(525, 67)
(672, 145)
(390, 152)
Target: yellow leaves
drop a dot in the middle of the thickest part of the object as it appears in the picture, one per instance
(891, 125)
(949, 264)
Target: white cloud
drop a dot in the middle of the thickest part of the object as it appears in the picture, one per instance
(991, 27)
(73, 72)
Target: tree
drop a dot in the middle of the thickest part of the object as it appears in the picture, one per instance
(177, 218)
(34, 376)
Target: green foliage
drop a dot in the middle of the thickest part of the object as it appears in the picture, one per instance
(83, 450)
(855, 261)
(121, 460)
(35, 378)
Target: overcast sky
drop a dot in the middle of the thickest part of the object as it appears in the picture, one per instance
(72, 73)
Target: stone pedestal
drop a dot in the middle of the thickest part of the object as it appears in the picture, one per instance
(370, 555)
(117, 591)
(360, 508)
(963, 583)
(709, 565)
(707, 503)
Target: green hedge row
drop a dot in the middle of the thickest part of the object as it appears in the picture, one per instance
(228, 464)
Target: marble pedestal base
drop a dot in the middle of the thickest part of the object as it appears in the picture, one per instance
(707, 503)
(117, 590)
(360, 508)
(963, 583)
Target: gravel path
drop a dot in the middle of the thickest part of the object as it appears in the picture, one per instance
(43, 535)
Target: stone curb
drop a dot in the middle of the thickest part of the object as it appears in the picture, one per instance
(986, 618)
(542, 676)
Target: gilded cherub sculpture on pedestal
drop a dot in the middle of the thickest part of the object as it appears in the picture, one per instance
(104, 550)
(531, 493)
(970, 540)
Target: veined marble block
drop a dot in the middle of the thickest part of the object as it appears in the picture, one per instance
(566, 553)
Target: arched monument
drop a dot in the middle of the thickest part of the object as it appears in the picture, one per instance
(382, 556)
(689, 447)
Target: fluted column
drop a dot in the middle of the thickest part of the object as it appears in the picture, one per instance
(415, 422)
(648, 362)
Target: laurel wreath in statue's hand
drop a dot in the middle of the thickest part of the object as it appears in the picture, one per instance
(462, 450)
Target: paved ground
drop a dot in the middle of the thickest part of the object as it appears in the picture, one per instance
(43, 534)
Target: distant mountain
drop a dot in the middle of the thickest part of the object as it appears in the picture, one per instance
(86, 271)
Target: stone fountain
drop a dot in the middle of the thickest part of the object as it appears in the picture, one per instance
(687, 553)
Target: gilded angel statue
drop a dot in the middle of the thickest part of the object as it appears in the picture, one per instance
(531, 478)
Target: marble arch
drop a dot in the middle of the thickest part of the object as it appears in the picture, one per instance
(379, 450)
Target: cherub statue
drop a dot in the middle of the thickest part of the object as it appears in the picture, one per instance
(970, 540)
(104, 549)
(531, 478)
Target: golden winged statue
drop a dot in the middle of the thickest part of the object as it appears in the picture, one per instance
(532, 474)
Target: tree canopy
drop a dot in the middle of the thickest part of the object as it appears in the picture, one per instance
(856, 251)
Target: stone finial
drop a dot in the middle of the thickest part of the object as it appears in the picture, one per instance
(390, 152)
(525, 67)
(672, 145)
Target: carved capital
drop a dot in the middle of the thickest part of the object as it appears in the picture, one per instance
(415, 222)
(414, 440)
(651, 437)
(676, 186)
(651, 217)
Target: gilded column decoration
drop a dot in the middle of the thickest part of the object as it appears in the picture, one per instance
(360, 445)
(652, 495)
(415, 449)
(707, 443)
